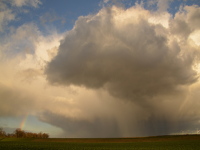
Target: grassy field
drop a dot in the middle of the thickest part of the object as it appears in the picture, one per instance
(184, 142)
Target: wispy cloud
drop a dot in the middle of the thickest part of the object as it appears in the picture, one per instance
(20, 3)
(8, 12)
(6, 16)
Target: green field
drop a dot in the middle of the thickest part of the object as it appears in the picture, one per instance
(184, 142)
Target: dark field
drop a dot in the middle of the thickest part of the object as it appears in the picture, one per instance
(184, 142)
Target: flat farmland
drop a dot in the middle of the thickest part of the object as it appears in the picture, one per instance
(179, 142)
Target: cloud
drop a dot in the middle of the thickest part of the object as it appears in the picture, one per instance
(6, 15)
(14, 102)
(144, 63)
(24, 53)
(21, 41)
(99, 127)
(128, 57)
(51, 17)
(162, 5)
(185, 21)
(118, 73)
(106, 1)
(8, 12)
(20, 3)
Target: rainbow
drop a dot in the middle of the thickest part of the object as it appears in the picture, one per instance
(23, 122)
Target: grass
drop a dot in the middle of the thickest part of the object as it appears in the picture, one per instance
(187, 142)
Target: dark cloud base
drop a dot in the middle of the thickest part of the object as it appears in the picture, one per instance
(75, 127)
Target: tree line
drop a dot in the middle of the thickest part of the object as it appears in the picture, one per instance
(18, 133)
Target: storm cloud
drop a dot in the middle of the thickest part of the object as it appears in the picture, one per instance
(122, 51)
(139, 57)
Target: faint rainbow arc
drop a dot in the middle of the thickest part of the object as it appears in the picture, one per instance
(23, 122)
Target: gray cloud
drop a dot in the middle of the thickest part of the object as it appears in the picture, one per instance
(145, 63)
(186, 21)
(165, 115)
(131, 61)
(14, 102)
(76, 127)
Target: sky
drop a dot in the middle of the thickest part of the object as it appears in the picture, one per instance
(100, 68)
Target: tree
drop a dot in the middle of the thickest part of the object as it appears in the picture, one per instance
(22, 134)
(19, 133)
(45, 135)
(2, 133)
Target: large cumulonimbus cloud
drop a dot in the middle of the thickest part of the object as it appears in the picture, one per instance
(128, 53)
(146, 59)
